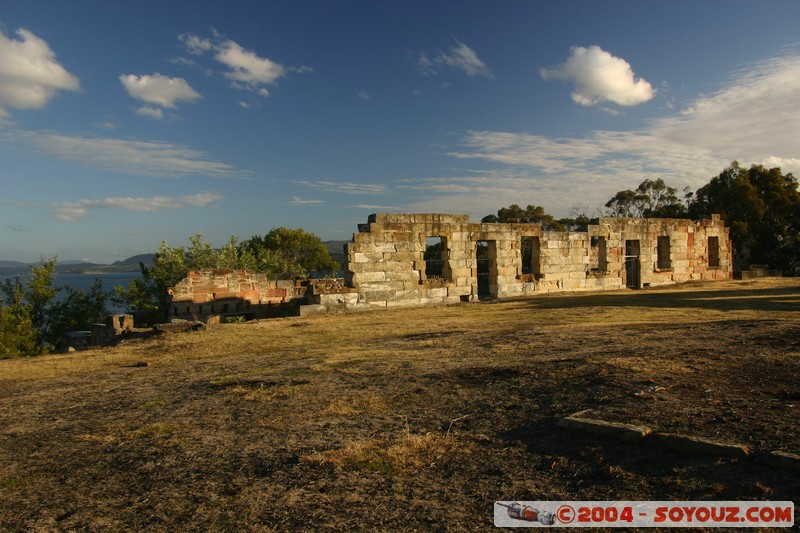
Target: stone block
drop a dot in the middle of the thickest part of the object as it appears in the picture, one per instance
(316, 309)
(345, 301)
(382, 247)
(461, 272)
(459, 291)
(783, 461)
(370, 277)
(627, 432)
(701, 446)
(383, 286)
(437, 293)
(413, 293)
(403, 256)
(403, 303)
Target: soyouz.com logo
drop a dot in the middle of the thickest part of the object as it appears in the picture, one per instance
(643, 514)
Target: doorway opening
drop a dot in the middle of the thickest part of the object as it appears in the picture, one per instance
(486, 254)
(633, 275)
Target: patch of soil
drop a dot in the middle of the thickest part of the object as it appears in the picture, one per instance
(409, 420)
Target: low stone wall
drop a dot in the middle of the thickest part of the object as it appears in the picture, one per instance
(211, 295)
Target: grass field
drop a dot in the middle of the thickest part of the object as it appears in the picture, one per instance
(405, 419)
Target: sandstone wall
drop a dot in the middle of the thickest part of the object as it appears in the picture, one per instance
(387, 265)
(386, 259)
(211, 294)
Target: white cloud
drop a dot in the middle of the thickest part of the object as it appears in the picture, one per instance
(753, 118)
(600, 77)
(159, 90)
(140, 158)
(194, 44)
(247, 70)
(373, 207)
(72, 211)
(30, 76)
(459, 57)
(150, 111)
(426, 66)
(346, 187)
(301, 70)
(296, 200)
(364, 95)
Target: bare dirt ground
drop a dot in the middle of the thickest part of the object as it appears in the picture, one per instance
(415, 419)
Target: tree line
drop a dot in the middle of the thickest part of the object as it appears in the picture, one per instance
(33, 317)
(760, 205)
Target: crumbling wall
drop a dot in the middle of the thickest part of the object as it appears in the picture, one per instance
(387, 265)
(210, 295)
(386, 262)
(386, 259)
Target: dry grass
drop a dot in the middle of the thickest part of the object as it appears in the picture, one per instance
(404, 455)
(384, 420)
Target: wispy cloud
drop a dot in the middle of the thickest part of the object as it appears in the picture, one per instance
(458, 57)
(752, 118)
(346, 187)
(600, 77)
(374, 207)
(140, 158)
(364, 95)
(106, 125)
(296, 200)
(30, 76)
(195, 45)
(72, 211)
(246, 69)
(150, 111)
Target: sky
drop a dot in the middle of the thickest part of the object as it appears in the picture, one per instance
(124, 124)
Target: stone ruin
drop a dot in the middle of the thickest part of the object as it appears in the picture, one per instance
(101, 333)
(407, 260)
(211, 295)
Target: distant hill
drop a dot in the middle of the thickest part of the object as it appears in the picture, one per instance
(336, 249)
(134, 261)
(131, 264)
(13, 264)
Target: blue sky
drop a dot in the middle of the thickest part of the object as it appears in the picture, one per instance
(123, 124)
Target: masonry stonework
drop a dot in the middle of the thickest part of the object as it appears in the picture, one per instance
(407, 260)
(387, 258)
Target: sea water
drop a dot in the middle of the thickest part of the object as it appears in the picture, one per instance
(84, 282)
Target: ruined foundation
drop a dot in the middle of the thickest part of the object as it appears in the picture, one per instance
(407, 260)
(389, 260)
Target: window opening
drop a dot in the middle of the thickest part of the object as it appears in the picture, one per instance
(531, 256)
(598, 253)
(664, 252)
(435, 257)
(713, 251)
